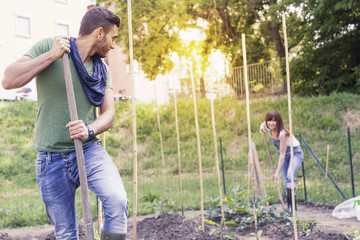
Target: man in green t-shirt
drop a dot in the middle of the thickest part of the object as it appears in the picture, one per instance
(56, 167)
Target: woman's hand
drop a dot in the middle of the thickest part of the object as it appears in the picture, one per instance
(262, 129)
(276, 177)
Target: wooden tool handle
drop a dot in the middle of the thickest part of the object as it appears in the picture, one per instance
(79, 151)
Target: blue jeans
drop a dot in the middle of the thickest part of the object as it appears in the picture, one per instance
(298, 158)
(58, 178)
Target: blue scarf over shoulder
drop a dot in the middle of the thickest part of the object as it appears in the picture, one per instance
(94, 86)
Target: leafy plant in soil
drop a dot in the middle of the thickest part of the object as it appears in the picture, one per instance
(163, 208)
(240, 214)
(351, 233)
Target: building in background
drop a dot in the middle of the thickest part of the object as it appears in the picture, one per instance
(24, 22)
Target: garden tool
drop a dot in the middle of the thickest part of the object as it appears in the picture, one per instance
(79, 151)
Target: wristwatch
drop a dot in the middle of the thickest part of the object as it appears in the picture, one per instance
(90, 132)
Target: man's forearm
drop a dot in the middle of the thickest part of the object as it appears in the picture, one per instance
(103, 122)
(24, 70)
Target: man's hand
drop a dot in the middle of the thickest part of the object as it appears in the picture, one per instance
(61, 44)
(78, 130)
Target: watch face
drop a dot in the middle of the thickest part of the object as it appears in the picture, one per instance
(91, 132)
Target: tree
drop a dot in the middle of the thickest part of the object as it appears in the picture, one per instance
(157, 24)
(329, 57)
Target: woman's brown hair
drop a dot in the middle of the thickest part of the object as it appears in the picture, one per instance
(275, 116)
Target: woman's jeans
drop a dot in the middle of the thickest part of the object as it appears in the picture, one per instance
(298, 158)
(58, 178)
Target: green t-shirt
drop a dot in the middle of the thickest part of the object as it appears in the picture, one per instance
(51, 135)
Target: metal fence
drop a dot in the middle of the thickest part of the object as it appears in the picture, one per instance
(265, 77)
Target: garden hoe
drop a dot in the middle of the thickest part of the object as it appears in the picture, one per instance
(272, 165)
(79, 151)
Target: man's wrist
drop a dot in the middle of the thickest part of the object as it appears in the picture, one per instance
(91, 132)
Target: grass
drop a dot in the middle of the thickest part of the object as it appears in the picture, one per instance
(321, 120)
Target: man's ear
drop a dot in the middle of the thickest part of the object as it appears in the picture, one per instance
(100, 33)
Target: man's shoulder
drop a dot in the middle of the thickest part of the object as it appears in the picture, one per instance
(40, 47)
(48, 41)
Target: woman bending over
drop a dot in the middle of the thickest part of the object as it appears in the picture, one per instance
(280, 137)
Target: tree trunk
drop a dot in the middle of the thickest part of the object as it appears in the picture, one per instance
(202, 87)
(274, 33)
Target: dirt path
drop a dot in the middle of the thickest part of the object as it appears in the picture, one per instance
(322, 215)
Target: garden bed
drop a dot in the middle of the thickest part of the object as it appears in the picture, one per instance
(174, 226)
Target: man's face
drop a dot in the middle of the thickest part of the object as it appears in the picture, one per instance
(107, 42)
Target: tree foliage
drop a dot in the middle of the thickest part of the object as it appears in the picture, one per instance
(329, 58)
(322, 35)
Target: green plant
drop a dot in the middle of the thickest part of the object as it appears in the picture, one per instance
(163, 208)
(150, 197)
(236, 205)
(351, 233)
(218, 230)
(257, 235)
(304, 227)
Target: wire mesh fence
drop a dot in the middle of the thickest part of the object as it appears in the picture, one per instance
(20, 202)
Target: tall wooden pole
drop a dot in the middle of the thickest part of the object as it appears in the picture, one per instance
(272, 166)
(249, 127)
(178, 150)
(162, 148)
(134, 118)
(290, 126)
(79, 151)
(216, 149)
(99, 204)
(199, 148)
(100, 215)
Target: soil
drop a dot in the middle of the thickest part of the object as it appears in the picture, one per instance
(175, 226)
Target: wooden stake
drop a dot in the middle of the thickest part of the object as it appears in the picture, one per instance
(272, 166)
(216, 152)
(100, 221)
(258, 170)
(249, 127)
(290, 126)
(178, 150)
(162, 149)
(134, 118)
(79, 151)
(248, 175)
(326, 171)
(199, 149)
(100, 216)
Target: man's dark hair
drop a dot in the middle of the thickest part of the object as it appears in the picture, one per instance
(98, 17)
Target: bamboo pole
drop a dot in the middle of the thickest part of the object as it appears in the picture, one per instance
(272, 166)
(326, 170)
(86, 207)
(199, 149)
(249, 127)
(162, 148)
(178, 151)
(100, 216)
(99, 204)
(134, 118)
(248, 178)
(290, 126)
(258, 170)
(216, 151)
